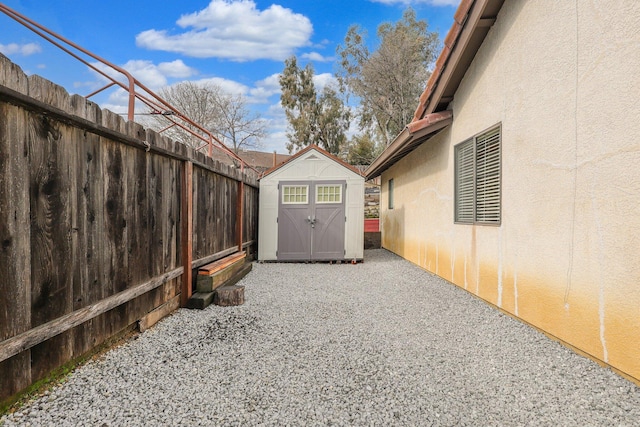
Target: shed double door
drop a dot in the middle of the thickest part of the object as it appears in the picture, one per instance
(311, 220)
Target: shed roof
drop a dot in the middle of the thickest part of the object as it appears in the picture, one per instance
(319, 150)
(472, 21)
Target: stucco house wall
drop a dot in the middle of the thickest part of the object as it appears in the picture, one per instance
(562, 80)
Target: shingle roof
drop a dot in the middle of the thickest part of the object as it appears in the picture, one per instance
(259, 160)
(262, 160)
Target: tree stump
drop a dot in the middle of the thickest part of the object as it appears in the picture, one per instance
(230, 295)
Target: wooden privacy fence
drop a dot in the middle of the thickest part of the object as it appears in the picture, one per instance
(101, 224)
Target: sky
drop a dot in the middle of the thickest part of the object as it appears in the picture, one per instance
(240, 45)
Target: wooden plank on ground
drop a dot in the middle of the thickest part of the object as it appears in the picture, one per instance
(216, 266)
(157, 314)
(200, 300)
(209, 282)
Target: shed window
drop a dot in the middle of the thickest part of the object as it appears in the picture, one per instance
(478, 179)
(329, 194)
(295, 194)
(391, 193)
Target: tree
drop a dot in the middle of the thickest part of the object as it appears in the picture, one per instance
(195, 102)
(238, 128)
(313, 119)
(224, 115)
(389, 81)
(363, 149)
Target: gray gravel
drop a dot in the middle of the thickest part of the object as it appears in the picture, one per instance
(380, 343)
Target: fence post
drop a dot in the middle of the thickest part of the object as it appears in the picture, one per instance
(187, 231)
(240, 210)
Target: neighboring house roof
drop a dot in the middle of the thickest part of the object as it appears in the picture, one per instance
(472, 22)
(321, 151)
(259, 160)
(263, 160)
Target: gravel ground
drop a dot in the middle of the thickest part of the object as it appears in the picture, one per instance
(375, 344)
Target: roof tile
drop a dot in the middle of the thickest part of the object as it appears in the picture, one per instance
(449, 42)
(429, 119)
(452, 35)
(463, 10)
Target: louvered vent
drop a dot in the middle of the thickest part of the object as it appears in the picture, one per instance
(465, 183)
(477, 179)
(488, 177)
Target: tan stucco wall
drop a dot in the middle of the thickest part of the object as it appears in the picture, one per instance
(562, 78)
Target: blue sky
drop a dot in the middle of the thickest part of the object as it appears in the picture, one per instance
(240, 45)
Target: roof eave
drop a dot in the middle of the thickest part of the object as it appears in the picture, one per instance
(319, 150)
(472, 22)
(408, 140)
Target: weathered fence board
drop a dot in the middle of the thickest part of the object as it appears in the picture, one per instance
(89, 270)
(214, 216)
(51, 283)
(250, 228)
(91, 220)
(15, 245)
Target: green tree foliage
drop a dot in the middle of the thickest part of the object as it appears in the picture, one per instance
(363, 149)
(388, 82)
(320, 119)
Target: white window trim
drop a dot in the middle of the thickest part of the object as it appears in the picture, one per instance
(306, 187)
(340, 191)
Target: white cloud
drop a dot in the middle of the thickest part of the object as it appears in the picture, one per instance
(229, 86)
(149, 74)
(177, 69)
(117, 102)
(264, 89)
(324, 79)
(234, 30)
(414, 2)
(275, 141)
(155, 76)
(20, 49)
(315, 56)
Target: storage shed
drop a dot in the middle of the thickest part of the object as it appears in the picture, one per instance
(311, 209)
